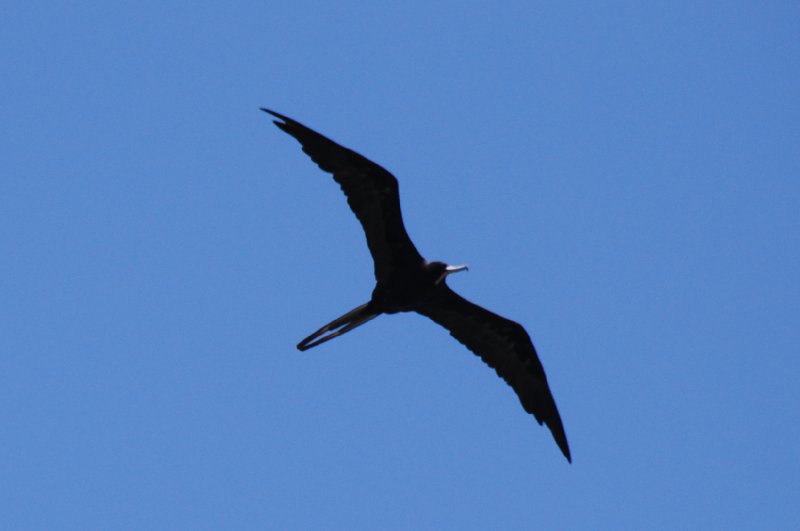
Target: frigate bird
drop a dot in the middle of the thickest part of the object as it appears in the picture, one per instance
(406, 282)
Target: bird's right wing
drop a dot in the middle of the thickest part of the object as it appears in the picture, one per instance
(504, 346)
(372, 194)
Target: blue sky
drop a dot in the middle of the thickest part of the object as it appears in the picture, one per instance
(621, 177)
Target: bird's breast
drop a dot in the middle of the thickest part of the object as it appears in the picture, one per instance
(402, 294)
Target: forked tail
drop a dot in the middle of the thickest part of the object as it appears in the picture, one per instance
(343, 324)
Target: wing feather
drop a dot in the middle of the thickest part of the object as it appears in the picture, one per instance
(371, 191)
(504, 346)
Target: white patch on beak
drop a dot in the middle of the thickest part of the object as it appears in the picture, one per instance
(451, 269)
(455, 269)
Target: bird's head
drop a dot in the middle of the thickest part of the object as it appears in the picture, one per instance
(440, 270)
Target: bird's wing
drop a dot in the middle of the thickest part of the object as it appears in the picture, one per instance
(504, 346)
(371, 191)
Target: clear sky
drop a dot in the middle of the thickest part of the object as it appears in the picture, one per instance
(623, 178)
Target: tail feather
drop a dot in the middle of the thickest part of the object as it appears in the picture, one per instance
(341, 325)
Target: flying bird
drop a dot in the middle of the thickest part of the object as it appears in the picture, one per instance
(406, 282)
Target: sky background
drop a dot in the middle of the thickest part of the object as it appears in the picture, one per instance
(623, 179)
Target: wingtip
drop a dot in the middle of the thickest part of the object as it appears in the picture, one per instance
(275, 114)
(563, 445)
(557, 430)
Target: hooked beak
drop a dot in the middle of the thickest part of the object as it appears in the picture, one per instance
(450, 269)
(455, 269)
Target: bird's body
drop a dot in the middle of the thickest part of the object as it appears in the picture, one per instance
(406, 282)
(404, 290)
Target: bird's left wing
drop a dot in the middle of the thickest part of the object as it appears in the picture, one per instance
(506, 347)
(372, 193)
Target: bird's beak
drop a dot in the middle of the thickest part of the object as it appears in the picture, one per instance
(455, 269)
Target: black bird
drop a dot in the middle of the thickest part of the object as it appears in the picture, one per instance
(406, 282)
